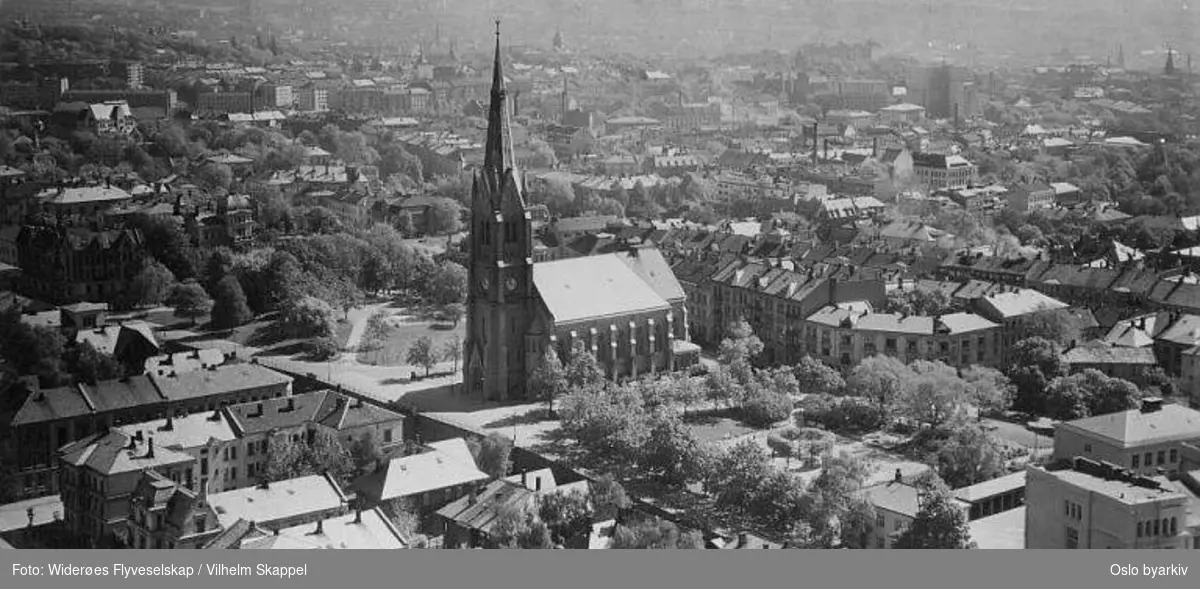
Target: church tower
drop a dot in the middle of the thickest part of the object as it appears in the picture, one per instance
(500, 298)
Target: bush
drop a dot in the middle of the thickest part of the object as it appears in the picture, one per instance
(322, 349)
(848, 416)
(766, 409)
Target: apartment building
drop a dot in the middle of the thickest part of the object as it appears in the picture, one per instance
(944, 172)
(51, 418)
(846, 335)
(1145, 440)
(98, 475)
(1084, 504)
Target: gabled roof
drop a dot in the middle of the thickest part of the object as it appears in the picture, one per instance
(481, 510)
(366, 530)
(652, 267)
(83, 399)
(219, 379)
(594, 287)
(1022, 302)
(448, 464)
(1105, 354)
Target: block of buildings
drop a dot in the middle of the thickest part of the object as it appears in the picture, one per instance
(846, 336)
(1143, 440)
(896, 503)
(1085, 504)
(362, 530)
(281, 504)
(98, 475)
(426, 481)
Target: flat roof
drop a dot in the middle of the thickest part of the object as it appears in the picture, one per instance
(1002, 531)
(991, 488)
(280, 500)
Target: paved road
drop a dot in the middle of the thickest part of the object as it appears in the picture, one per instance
(1019, 434)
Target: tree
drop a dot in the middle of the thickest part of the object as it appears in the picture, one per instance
(940, 523)
(817, 378)
(282, 277)
(672, 456)
(308, 317)
(568, 515)
(190, 301)
(607, 423)
(452, 350)
(285, 459)
(519, 527)
(91, 365)
(1057, 325)
(448, 285)
(740, 348)
(167, 243)
(322, 349)
(326, 454)
(988, 389)
(736, 474)
(454, 312)
(608, 498)
(582, 369)
(654, 534)
(151, 285)
(230, 309)
(720, 386)
(832, 494)
(935, 395)
(405, 516)
(858, 524)
(1034, 363)
(880, 379)
(968, 456)
(763, 407)
(919, 302)
(421, 353)
(549, 379)
(1066, 399)
(444, 217)
(212, 177)
(493, 454)
(32, 349)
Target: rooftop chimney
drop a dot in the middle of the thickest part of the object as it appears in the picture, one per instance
(743, 540)
(1152, 404)
(264, 484)
(170, 425)
(320, 527)
(358, 516)
(899, 476)
(150, 447)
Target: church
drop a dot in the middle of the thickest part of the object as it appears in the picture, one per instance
(627, 308)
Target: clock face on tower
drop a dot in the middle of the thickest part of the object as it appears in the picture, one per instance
(510, 284)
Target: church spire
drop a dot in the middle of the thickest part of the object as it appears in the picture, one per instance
(498, 152)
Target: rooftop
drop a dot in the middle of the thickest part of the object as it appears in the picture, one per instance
(280, 500)
(1117, 488)
(1002, 531)
(578, 289)
(1110, 354)
(83, 195)
(991, 488)
(115, 453)
(1137, 427)
(190, 431)
(1022, 302)
(219, 379)
(448, 464)
(368, 530)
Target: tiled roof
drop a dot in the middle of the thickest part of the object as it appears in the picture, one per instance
(481, 510)
(190, 431)
(1106, 354)
(112, 453)
(1137, 428)
(84, 399)
(219, 379)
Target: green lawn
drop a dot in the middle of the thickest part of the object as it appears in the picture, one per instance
(716, 427)
(401, 335)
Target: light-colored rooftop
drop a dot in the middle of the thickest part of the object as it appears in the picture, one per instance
(1117, 489)
(1002, 531)
(372, 532)
(578, 289)
(191, 431)
(448, 464)
(1136, 427)
(280, 500)
(1023, 302)
(991, 488)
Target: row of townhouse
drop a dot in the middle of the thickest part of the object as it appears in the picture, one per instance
(205, 454)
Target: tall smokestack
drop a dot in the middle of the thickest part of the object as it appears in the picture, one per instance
(816, 134)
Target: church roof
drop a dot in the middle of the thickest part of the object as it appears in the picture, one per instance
(594, 287)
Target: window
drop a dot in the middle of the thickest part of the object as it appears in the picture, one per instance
(1139, 529)
(387, 435)
(233, 452)
(1174, 456)
(1149, 460)
(1072, 538)
(896, 525)
(1137, 461)
(1174, 528)
(1162, 457)
(879, 542)
(200, 524)
(879, 521)
(250, 449)
(1157, 528)
(1087, 448)
(233, 473)
(1067, 508)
